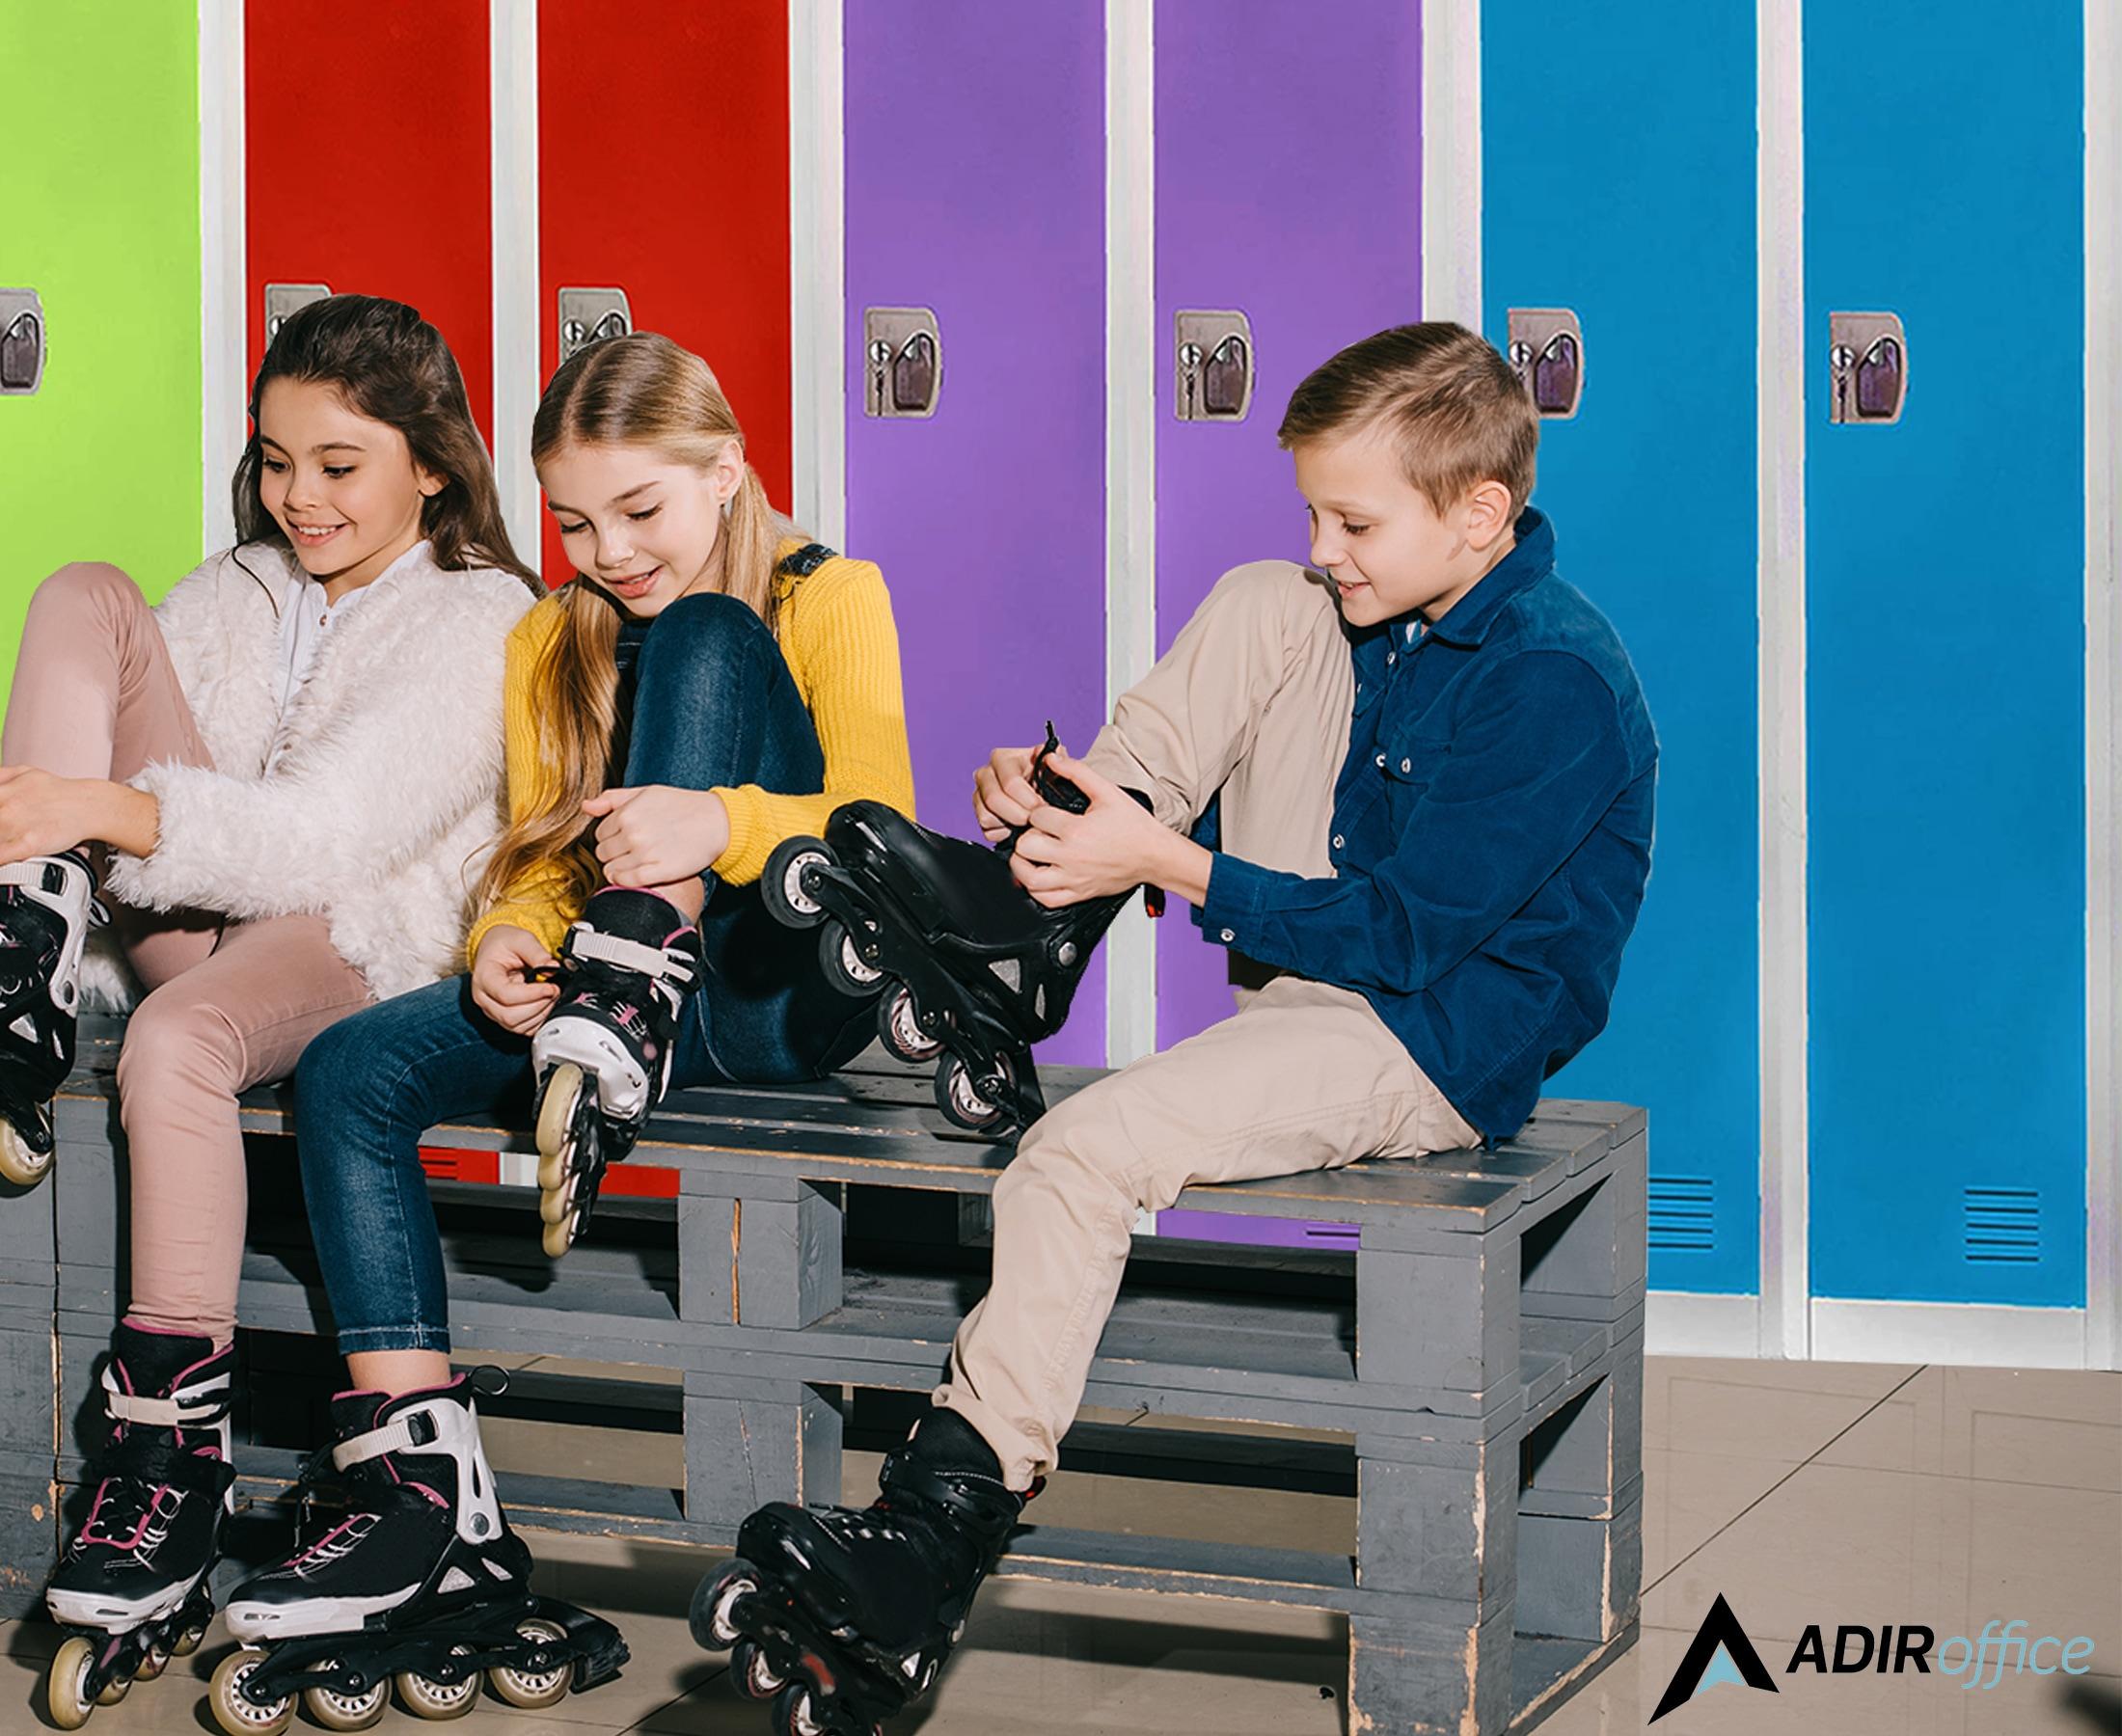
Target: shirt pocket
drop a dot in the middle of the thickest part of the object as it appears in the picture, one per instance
(1411, 763)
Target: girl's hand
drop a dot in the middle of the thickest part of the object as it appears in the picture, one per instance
(1114, 845)
(42, 814)
(501, 984)
(1002, 792)
(657, 835)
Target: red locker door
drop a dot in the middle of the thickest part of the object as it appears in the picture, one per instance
(367, 152)
(662, 166)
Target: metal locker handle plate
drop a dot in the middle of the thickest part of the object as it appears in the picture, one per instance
(283, 300)
(1546, 352)
(23, 342)
(1213, 358)
(1867, 369)
(1879, 379)
(590, 315)
(904, 352)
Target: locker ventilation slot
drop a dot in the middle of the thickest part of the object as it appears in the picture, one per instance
(2003, 1225)
(1683, 1212)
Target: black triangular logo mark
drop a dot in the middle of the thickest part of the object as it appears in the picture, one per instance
(1720, 1628)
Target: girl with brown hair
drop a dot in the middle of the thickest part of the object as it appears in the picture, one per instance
(286, 773)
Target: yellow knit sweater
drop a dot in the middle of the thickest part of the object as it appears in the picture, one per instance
(836, 629)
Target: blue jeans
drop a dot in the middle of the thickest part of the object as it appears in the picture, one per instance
(714, 705)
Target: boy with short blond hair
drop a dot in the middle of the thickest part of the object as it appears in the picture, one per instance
(1432, 769)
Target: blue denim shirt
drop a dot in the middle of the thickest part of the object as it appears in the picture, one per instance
(1491, 838)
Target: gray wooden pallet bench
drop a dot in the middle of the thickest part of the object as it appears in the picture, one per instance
(1481, 1349)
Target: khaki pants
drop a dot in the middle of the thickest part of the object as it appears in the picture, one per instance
(231, 1005)
(1254, 698)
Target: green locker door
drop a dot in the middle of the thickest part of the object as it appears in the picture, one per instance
(100, 132)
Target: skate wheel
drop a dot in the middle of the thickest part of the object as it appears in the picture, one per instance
(899, 1028)
(753, 1673)
(237, 1715)
(426, 1697)
(114, 1690)
(557, 1204)
(187, 1642)
(843, 963)
(534, 1689)
(556, 1100)
(558, 1238)
(794, 1715)
(67, 1688)
(22, 1162)
(714, 1606)
(337, 1711)
(781, 885)
(960, 1098)
(151, 1666)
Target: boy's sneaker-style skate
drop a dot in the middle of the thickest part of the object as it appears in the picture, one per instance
(973, 969)
(841, 1616)
(404, 1570)
(47, 905)
(602, 1058)
(133, 1581)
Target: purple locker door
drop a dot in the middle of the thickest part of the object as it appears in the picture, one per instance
(975, 187)
(1288, 182)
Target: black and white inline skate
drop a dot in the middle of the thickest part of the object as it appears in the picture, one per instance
(404, 1570)
(133, 1582)
(841, 1616)
(47, 905)
(602, 1058)
(978, 969)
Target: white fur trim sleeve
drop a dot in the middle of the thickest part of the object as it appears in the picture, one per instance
(395, 739)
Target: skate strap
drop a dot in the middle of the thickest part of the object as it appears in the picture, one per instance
(665, 963)
(210, 1405)
(49, 875)
(399, 1436)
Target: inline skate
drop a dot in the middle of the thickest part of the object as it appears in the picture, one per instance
(841, 1616)
(134, 1579)
(602, 1058)
(975, 969)
(404, 1570)
(47, 905)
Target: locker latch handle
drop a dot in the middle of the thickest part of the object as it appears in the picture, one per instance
(590, 315)
(1212, 358)
(1867, 361)
(905, 352)
(22, 354)
(1546, 351)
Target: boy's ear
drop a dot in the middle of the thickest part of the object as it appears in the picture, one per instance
(1488, 513)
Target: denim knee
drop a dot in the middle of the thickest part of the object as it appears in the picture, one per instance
(706, 627)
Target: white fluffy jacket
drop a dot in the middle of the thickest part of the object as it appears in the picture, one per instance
(385, 797)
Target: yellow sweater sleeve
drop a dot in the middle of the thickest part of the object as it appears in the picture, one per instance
(843, 649)
(536, 898)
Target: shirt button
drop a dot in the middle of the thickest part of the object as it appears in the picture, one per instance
(1406, 765)
(1228, 936)
(1381, 759)
(1337, 840)
(1392, 657)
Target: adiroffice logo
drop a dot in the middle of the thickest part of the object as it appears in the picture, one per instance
(1721, 1652)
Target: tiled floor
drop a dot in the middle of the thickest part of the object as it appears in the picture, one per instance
(1803, 1493)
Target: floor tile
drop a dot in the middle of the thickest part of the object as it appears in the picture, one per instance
(2062, 1428)
(1775, 1410)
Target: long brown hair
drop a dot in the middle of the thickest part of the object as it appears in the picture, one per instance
(391, 365)
(640, 390)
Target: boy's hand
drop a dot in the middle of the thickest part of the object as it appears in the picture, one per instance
(656, 835)
(501, 984)
(1113, 846)
(1002, 794)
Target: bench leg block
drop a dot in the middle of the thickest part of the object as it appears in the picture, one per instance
(1440, 1321)
(1441, 1529)
(29, 1536)
(1580, 1578)
(1418, 1679)
(740, 1453)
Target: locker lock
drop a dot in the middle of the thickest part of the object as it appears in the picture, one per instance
(1867, 361)
(1546, 351)
(283, 298)
(21, 343)
(902, 362)
(1213, 358)
(591, 315)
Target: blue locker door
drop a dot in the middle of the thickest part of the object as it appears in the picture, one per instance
(1618, 181)
(1946, 646)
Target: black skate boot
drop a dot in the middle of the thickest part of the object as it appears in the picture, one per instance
(404, 1569)
(134, 1578)
(602, 1057)
(972, 967)
(842, 1617)
(47, 906)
